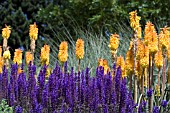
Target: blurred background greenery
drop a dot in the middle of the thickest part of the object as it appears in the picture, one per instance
(60, 20)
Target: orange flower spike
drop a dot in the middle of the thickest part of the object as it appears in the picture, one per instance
(33, 32)
(20, 71)
(164, 37)
(0, 51)
(106, 66)
(6, 32)
(120, 62)
(139, 32)
(7, 54)
(80, 49)
(158, 59)
(29, 57)
(149, 30)
(18, 56)
(63, 52)
(114, 42)
(1, 64)
(134, 20)
(45, 54)
(168, 52)
(129, 61)
(100, 62)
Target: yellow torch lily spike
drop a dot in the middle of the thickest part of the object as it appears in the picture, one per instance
(134, 20)
(33, 33)
(158, 59)
(114, 44)
(121, 62)
(1, 64)
(45, 54)
(63, 52)
(79, 51)
(29, 57)
(0, 51)
(106, 66)
(6, 34)
(18, 56)
(164, 37)
(7, 55)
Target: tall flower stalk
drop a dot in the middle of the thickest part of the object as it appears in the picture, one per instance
(79, 51)
(33, 33)
(114, 44)
(63, 53)
(45, 55)
(134, 22)
(6, 34)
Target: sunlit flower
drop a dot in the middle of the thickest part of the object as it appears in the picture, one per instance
(6, 32)
(79, 49)
(157, 90)
(106, 66)
(1, 64)
(7, 54)
(18, 56)
(143, 54)
(0, 51)
(164, 37)
(168, 75)
(121, 62)
(158, 59)
(100, 62)
(63, 52)
(33, 31)
(134, 20)
(48, 72)
(20, 70)
(114, 42)
(139, 32)
(45, 54)
(129, 61)
(29, 57)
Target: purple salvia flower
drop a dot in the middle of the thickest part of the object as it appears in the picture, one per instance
(155, 109)
(123, 95)
(87, 75)
(31, 78)
(149, 93)
(18, 109)
(39, 109)
(142, 107)
(117, 84)
(14, 71)
(105, 108)
(164, 103)
(41, 82)
(130, 105)
(5, 82)
(65, 67)
(45, 97)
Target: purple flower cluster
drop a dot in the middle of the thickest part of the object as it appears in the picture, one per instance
(66, 92)
(149, 93)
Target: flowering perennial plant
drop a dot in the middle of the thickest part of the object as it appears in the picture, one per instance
(68, 92)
